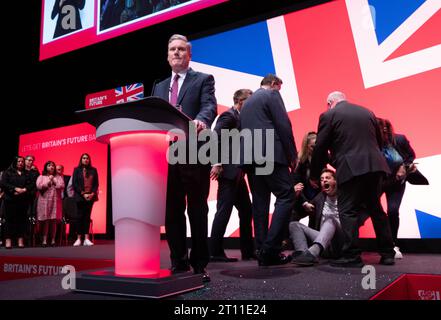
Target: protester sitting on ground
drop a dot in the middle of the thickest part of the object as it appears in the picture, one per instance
(326, 235)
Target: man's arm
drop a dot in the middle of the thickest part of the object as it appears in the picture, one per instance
(283, 127)
(323, 142)
(208, 103)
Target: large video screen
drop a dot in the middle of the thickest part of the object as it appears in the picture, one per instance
(68, 25)
(385, 55)
(65, 146)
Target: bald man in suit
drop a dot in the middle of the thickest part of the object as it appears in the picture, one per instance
(350, 134)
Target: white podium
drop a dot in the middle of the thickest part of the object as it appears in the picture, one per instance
(137, 133)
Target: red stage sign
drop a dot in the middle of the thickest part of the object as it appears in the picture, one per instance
(12, 268)
(122, 94)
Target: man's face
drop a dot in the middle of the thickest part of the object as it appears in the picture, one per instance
(178, 55)
(29, 161)
(328, 184)
(276, 86)
(60, 170)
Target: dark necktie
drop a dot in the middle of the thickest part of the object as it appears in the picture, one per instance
(174, 90)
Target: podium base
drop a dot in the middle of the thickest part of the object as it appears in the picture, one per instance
(106, 282)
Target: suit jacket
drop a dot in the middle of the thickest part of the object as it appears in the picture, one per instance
(265, 109)
(228, 120)
(404, 149)
(78, 183)
(351, 134)
(196, 96)
(66, 183)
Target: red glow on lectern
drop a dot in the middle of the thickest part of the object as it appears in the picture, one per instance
(139, 173)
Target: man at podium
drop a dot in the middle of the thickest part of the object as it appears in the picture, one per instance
(188, 184)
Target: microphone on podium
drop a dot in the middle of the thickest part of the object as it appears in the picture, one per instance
(154, 86)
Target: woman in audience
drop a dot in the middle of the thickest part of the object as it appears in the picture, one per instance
(399, 156)
(85, 185)
(49, 204)
(302, 185)
(16, 184)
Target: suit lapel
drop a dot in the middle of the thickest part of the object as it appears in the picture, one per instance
(165, 90)
(236, 117)
(187, 84)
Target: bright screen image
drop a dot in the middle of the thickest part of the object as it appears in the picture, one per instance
(68, 25)
(384, 55)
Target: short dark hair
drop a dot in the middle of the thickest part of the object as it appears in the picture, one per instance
(241, 94)
(270, 79)
(332, 172)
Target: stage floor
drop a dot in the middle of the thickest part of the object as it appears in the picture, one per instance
(242, 280)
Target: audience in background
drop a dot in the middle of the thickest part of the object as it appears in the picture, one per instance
(85, 185)
(16, 184)
(49, 205)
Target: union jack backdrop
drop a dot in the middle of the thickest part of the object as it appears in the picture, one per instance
(385, 55)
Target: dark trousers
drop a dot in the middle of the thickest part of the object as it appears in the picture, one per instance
(280, 184)
(82, 222)
(394, 196)
(16, 219)
(363, 192)
(232, 193)
(188, 185)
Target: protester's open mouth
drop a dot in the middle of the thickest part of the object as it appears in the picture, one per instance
(326, 186)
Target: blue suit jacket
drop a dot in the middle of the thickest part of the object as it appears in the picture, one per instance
(264, 110)
(351, 134)
(196, 96)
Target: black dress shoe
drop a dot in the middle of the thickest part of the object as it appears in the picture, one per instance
(179, 269)
(348, 263)
(387, 261)
(246, 257)
(204, 273)
(222, 259)
(273, 259)
(305, 259)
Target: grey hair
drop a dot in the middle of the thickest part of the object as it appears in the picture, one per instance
(180, 37)
(336, 96)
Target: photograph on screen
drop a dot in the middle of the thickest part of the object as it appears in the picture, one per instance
(65, 17)
(120, 12)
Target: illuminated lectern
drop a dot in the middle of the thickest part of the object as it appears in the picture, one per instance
(139, 134)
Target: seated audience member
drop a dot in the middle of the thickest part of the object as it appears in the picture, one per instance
(326, 233)
(49, 205)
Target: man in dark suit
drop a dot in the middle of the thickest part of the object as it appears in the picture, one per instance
(351, 134)
(268, 159)
(66, 178)
(188, 184)
(232, 188)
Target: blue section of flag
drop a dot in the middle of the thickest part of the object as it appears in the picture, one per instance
(247, 49)
(388, 15)
(430, 226)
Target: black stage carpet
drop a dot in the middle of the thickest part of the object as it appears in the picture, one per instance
(242, 280)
